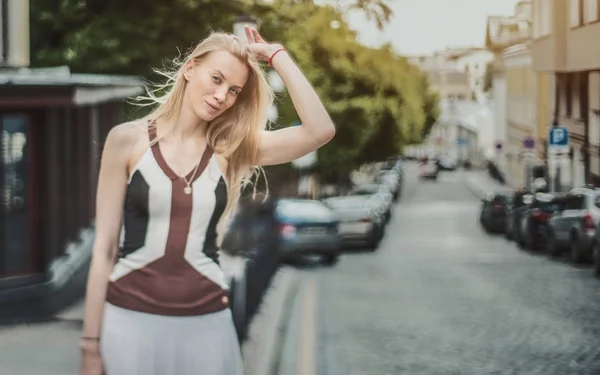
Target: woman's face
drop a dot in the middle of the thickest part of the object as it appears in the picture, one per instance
(214, 84)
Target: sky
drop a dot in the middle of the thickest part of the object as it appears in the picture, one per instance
(424, 26)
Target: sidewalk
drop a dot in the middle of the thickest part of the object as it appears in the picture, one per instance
(51, 348)
(480, 183)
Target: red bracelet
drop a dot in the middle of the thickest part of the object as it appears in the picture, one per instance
(273, 55)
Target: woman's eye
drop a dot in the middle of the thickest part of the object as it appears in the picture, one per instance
(216, 79)
(234, 91)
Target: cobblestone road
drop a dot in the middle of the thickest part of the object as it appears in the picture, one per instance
(440, 297)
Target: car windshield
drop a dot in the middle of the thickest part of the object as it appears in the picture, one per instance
(597, 200)
(366, 189)
(549, 206)
(299, 209)
(347, 203)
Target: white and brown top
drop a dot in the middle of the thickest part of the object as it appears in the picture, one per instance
(168, 261)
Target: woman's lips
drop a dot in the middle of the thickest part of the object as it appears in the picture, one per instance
(212, 108)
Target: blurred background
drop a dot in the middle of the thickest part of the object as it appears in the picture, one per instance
(457, 120)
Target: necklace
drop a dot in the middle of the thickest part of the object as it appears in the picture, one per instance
(188, 184)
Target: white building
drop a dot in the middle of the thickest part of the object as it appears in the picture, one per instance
(472, 61)
(464, 131)
(503, 32)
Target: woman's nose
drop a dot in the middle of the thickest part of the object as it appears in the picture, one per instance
(220, 94)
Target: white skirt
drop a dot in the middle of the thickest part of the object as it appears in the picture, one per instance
(135, 343)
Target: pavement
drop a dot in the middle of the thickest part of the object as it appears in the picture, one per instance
(480, 183)
(51, 347)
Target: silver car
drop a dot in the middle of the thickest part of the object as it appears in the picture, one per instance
(359, 221)
(574, 226)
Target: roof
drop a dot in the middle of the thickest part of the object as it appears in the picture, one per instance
(62, 76)
(33, 87)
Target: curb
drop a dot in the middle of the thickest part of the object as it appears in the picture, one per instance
(266, 333)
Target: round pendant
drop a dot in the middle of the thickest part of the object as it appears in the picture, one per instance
(187, 190)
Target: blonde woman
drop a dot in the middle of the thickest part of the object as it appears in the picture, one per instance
(156, 298)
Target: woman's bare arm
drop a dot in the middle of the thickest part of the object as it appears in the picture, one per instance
(110, 196)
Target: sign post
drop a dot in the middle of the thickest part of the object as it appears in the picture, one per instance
(558, 148)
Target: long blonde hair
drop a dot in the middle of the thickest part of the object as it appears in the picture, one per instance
(235, 133)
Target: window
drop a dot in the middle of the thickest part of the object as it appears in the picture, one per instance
(575, 95)
(537, 18)
(546, 18)
(575, 202)
(594, 101)
(565, 97)
(590, 11)
(542, 18)
(14, 167)
(576, 13)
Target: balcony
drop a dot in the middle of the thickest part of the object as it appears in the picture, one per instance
(503, 32)
(549, 52)
(583, 49)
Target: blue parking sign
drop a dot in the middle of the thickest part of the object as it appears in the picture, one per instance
(558, 137)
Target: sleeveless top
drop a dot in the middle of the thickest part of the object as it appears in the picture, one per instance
(168, 261)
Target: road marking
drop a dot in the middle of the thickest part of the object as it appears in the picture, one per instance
(307, 345)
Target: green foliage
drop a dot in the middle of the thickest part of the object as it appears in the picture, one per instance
(378, 100)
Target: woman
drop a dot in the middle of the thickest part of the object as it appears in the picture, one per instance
(172, 179)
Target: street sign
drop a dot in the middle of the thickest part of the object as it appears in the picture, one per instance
(558, 137)
(461, 141)
(528, 143)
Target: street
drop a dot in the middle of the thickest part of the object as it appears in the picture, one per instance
(438, 297)
(441, 297)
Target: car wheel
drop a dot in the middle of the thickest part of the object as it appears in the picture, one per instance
(551, 245)
(576, 255)
(596, 256)
(331, 259)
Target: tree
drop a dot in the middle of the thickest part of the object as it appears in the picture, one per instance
(378, 100)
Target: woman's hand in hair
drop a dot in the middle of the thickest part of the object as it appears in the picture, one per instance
(257, 45)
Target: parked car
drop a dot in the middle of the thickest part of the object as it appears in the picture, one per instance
(380, 195)
(249, 259)
(447, 163)
(429, 170)
(308, 227)
(493, 212)
(392, 179)
(359, 222)
(518, 203)
(533, 230)
(574, 226)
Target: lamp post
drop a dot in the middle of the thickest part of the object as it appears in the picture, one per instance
(275, 81)
(240, 23)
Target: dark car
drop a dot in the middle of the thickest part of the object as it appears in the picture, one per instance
(308, 227)
(519, 203)
(533, 231)
(493, 213)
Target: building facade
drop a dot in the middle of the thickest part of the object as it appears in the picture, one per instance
(507, 37)
(565, 45)
(473, 62)
(456, 72)
(52, 129)
(521, 91)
